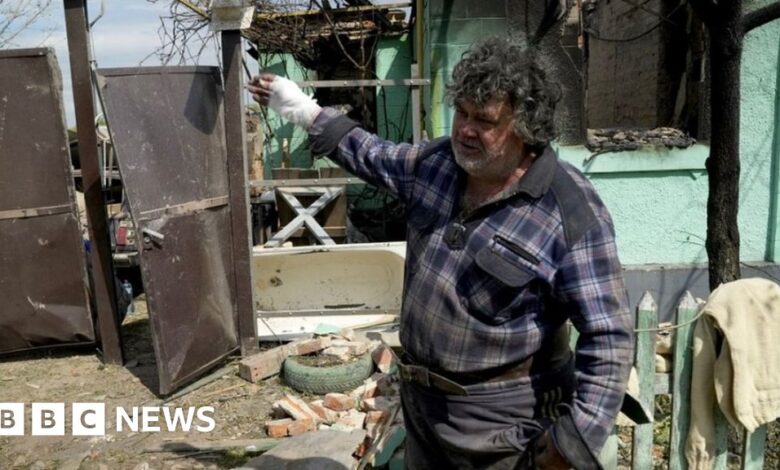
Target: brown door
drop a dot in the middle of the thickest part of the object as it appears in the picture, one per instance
(43, 273)
(168, 131)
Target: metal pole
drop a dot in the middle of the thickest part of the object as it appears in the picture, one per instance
(238, 193)
(416, 110)
(100, 254)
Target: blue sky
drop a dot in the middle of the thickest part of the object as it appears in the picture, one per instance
(124, 36)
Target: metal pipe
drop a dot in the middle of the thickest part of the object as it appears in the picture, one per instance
(773, 242)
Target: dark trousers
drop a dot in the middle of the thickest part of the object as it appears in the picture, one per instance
(493, 427)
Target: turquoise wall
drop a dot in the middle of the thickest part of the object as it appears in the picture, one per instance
(451, 28)
(760, 126)
(286, 66)
(393, 60)
(657, 198)
(393, 103)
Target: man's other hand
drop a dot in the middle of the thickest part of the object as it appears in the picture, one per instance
(284, 97)
(547, 455)
(260, 88)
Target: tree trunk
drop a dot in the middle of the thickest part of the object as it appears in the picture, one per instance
(723, 164)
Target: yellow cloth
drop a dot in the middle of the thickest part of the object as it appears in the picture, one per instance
(736, 363)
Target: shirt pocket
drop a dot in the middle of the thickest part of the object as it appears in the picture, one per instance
(501, 286)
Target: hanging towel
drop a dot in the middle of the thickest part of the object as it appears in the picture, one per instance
(736, 363)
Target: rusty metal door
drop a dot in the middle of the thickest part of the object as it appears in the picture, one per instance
(43, 274)
(167, 126)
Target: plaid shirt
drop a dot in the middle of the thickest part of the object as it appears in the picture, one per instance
(542, 254)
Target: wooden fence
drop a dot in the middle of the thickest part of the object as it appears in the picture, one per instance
(677, 383)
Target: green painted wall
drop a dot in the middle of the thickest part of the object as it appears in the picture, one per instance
(657, 198)
(394, 61)
(286, 66)
(759, 127)
(451, 28)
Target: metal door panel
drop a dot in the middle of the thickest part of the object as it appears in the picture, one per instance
(168, 131)
(193, 328)
(43, 275)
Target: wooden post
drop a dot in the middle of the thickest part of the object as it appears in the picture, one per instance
(238, 190)
(753, 446)
(100, 254)
(647, 320)
(681, 382)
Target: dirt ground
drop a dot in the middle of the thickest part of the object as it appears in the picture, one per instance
(240, 408)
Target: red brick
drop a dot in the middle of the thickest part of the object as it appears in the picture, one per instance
(384, 358)
(301, 348)
(300, 426)
(278, 427)
(326, 414)
(339, 401)
(297, 408)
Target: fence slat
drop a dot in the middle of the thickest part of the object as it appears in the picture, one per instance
(753, 446)
(681, 382)
(721, 446)
(609, 453)
(646, 318)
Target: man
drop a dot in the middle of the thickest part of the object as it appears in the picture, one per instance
(505, 243)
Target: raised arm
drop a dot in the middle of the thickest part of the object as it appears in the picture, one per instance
(366, 155)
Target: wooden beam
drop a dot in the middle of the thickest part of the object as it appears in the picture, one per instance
(100, 254)
(238, 189)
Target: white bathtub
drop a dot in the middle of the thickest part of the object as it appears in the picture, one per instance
(298, 288)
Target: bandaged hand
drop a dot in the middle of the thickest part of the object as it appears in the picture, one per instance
(284, 97)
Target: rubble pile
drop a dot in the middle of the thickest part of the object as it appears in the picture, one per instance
(365, 407)
(633, 139)
(373, 407)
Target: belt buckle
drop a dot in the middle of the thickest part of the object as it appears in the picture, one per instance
(412, 373)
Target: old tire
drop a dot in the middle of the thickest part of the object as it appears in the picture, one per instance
(327, 379)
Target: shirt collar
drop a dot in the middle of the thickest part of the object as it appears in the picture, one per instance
(537, 180)
(534, 183)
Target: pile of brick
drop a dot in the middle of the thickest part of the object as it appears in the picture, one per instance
(366, 407)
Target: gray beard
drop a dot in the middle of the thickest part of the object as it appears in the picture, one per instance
(488, 166)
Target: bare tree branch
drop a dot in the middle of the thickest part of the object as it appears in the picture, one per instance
(17, 16)
(760, 17)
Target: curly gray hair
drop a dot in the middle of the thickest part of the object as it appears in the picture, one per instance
(497, 67)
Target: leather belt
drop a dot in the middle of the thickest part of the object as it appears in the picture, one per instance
(553, 353)
(423, 376)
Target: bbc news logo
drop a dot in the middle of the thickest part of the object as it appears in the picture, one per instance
(89, 419)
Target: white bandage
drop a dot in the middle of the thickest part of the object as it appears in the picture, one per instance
(293, 104)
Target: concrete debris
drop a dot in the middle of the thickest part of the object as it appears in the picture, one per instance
(352, 419)
(380, 404)
(370, 411)
(633, 139)
(321, 450)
